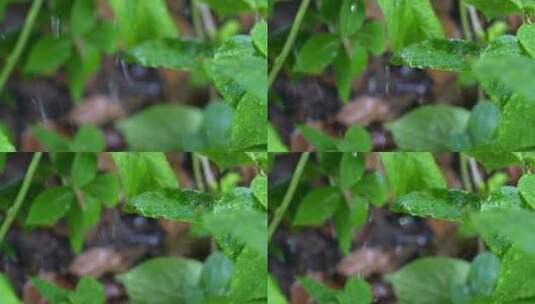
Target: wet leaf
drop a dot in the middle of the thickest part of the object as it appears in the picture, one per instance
(352, 14)
(526, 186)
(526, 36)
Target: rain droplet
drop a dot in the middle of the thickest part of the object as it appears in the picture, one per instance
(353, 7)
(55, 25)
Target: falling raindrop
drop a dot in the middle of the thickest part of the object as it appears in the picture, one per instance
(38, 103)
(387, 79)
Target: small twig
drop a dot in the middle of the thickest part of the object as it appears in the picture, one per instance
(208, 174)
(279, 61)
(476, 175)
(464, 173)
(21, 43)
(197, 19)
(281, 210)
(464, 21)
(476, 23)
(208, 20)
(11, 214)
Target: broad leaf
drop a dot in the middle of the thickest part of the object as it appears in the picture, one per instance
(317, 206)
(494, 8)
(7, 295)
(48, 54)
(317, 53)
(526, 36)
(516, 279)
(169, 53)
(50, 205)
(352, 14)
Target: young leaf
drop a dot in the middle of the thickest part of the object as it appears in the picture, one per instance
(79, 221)
(88, 139)
(373, 188)
(317, 53)
(7, 295)
(80, 67)
(428, 280)
(88, 291)
(105, 188)
(347, 219)
(408, 172)
(447, 55)
(352, 14)
(48, 54)
(83, 16)
(356, 139)
(356, 291)
(319, 140)
(259, 187)
(351, 169)
(372, 36)
(163, 281)
(260, 37)
(5, 144)
(429, 128)
(275, 143)
(84, 168)
(450, 205)
(343, 73)
(526, 186)
(526, 37)
(317, 291)
(275, 295)
(50, 205)
(319, 205)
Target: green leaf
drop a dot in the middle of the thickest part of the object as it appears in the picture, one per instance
(494, 8)
(351, 169)
(526, 186)
(373, 188)
(496, 160)
(275, 143)
(105, 188)
(88, 139)
(139, 20)
(103, 36)
(80, 67)
(352, 14)
(50, 205)
(482, 127)
(218, 118)
(356, 139)
(260, 36)
(372, 36)
(47, 55)
(516, 279)
(5, 144)
(511, 72)
(249, 128)
(227, 160)
(447, 55)
(80, 221)
(317, 291)
(140, 172)
(428, 280)
(250, 279)
(163, 127)
(356, 291)
(84, 168)
(449, 205)
(317, 206)
(413, 171)
(228, 7)
(51, 140)
(216, 274)
(83, 16)
(429, 128)
(275, 295)
(259, 187)
(248, 73)
(7, 295)
(319, 140)
(526, 37)
(359, 60)
(88, 291)
(50, 291)
(163, 281)
(173, 204)
(169, 53)
(515, 226)
(410, 21)
(518, 118)
(483, 275)
(317, 53)
(343, 74)
(347, 219)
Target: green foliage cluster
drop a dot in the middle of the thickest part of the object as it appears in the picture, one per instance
(501, 216)
(147, 184)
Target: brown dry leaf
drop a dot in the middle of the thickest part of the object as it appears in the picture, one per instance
(96, 110)
(96, 262)
(365, 262)
(364, 110)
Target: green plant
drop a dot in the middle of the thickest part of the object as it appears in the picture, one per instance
(146, 184)
(501, 216)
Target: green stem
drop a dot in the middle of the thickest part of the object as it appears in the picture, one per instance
(196, 159)
(279, 61)
(279, 213)
(11, 214)
(21, 43)
(463, 10)
(197, 19)
(465, 176)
